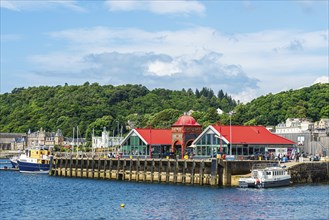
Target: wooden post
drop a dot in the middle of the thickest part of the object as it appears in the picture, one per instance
(160, 170)
(144, 173)
(118, 168)
(99, 168)
(110, 167)
(184, 172)
(56, 165)
(123, 169)
(92, 167)
(81, 166)
(214, 171)
(130, 169)
(51, 165)
(167, 171)
(175, 170)
(152, 170)
(137, 169)
(227, 174)
(76, 167)
(88, 163)
(104, 168)
(201, 173)
(71, 161)
(65, 169)
(220, 176)
(192, 172)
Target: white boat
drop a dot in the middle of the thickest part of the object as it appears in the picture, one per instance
(266, 177)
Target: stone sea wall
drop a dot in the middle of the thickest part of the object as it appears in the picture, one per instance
(310, 172)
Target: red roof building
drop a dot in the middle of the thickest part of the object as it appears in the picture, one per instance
(250, 135)
(154, 136)
(245, 141)
(146, 142)
(186, 137)
(184, 131)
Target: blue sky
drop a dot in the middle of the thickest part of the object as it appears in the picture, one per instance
(246, 48)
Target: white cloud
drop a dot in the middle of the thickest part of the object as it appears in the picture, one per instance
(198, 56)
(158, 7)
(31, 5)
(322, 79)
(160, 68)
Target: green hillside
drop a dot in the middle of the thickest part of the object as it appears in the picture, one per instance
(310, 102)
(93, 106)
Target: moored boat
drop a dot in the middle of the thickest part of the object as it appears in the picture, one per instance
(34, 160)
(266, 177)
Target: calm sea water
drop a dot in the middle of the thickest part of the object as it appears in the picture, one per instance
(30, 196)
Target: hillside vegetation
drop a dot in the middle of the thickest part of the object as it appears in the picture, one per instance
(92, 106)
(310, 103)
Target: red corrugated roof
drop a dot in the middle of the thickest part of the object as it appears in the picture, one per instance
(251, 135)
(155, 136)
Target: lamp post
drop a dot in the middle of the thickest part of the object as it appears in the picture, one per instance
(231, 142)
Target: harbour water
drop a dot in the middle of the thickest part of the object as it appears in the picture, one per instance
(30, 196)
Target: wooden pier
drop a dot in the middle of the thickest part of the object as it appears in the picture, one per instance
(192, 172)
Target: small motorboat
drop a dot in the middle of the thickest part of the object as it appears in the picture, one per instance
(266, 177)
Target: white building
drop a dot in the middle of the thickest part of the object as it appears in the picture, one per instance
(293, 125)
(105, 140)
(219, 111)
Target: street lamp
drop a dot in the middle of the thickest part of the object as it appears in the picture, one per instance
(231, 142)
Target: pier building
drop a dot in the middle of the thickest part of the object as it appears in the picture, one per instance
(246, 141)
(186, 139)
(146, 142)
(159, 143)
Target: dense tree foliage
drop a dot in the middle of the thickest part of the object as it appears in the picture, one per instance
(310, 103)
(92, 107)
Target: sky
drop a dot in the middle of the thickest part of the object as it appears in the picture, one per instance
(246, 48)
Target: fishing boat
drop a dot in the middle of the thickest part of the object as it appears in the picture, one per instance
(272, 175)
(35, 160)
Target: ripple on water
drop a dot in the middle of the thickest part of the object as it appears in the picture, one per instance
(43, 197)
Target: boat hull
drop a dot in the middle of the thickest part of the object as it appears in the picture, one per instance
(28, 167)
(276, 183)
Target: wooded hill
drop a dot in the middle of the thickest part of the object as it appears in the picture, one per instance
(94, 106)
(310, 103)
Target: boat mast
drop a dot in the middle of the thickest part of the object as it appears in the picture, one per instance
(77, 140)
(72, 143)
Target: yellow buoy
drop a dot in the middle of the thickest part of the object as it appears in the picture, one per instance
(122, 205)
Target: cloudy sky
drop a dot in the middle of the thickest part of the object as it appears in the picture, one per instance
(246, 48)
